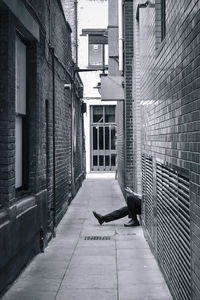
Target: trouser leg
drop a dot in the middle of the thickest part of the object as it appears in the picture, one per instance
(134, 207)
(116, 214)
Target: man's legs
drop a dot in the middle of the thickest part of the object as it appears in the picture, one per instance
(114, 215)
(134, 208)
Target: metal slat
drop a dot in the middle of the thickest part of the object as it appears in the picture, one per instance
(184, 201)
(173, 233)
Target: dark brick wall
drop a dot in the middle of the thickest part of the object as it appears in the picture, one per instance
(169, 93)
(23, 215)
(125, 130)
(78, 154)
(4, 112)
(120, 144)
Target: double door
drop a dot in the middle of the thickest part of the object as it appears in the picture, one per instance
(103, 138)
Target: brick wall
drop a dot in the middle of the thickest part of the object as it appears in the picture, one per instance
(126, 167)
(78, 151)
(69, 10)
(137, 123)
(120, 143)
(23, 215)
(4, 124)
(169, 97)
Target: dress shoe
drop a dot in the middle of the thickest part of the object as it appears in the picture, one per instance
(98, 217)
(132, 223)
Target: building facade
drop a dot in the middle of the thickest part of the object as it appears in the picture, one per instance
(167, 36)
(117, 85)
(158, 130)
(42, 158)
(99, 119)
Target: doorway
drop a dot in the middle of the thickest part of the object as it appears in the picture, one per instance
(103, 137)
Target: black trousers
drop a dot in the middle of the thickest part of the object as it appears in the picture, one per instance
(132, 209)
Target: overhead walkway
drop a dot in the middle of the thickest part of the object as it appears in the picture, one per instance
(87, 261)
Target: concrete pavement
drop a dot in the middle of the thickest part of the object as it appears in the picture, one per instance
(117, 266)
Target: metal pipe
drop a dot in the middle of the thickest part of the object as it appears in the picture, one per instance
(50, 9)
(72, 136)
(54, 145)
(124, 102)
(90, 70)
(103, 58)
(76, 29)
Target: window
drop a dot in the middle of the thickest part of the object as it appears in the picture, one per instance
(21, 156)
(110, 114)
(95, 55)
(103, 114)
(160, 21)
(98, 50)
(98, 114)
(163, 19)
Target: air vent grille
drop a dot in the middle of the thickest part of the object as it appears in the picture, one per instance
(147, 186)
(173, 230)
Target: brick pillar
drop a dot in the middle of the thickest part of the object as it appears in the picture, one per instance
(128, 58)
(7, 109)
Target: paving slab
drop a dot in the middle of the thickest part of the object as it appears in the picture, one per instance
(145, 292)
(87, 294)
(74, 268)
(102, 281)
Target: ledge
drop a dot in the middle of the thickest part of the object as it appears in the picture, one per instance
(4, 217)
(19, 10)
(25, 204)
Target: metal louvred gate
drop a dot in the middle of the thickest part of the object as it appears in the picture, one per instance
(167, 222)
(173, 230)
(147, 176)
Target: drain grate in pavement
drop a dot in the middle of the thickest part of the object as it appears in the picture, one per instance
(96, 237)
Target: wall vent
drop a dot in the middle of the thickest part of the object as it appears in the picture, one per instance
(148, 204)
(166, 216)
(173, 230)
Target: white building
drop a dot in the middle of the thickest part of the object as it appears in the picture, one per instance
(100, 123)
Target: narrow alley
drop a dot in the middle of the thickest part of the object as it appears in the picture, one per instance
(99, 107)
(74, 267)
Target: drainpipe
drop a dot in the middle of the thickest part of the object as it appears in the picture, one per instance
(76, 29)
(54, 148)
(122, 33)
(72, 133)
(53, 207)
(120, 41)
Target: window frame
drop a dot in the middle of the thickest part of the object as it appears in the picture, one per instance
(97, 39)
(23, 188)
(160, 25)
(163, 19)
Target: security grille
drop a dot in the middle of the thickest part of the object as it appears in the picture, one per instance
(173, 230)
(148, 208)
